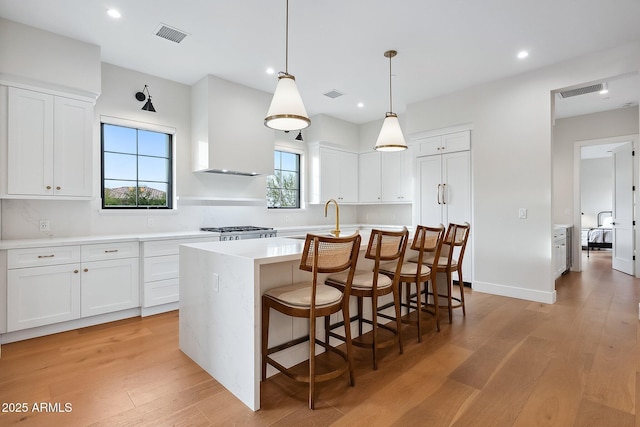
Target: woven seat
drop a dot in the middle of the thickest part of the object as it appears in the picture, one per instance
(426, 242)
(311, 300)
(384, 246)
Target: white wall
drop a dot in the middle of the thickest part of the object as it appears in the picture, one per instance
(596, 189)
(568, 131)
(512, 166)
(30, 54)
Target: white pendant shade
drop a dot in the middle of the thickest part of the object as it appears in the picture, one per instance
(390, 138)
(287, 111)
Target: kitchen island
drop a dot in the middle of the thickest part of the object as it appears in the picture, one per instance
(221, 284)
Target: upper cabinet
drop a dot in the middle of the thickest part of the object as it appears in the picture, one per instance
(386, 177)
(442, 144)
(49, 145)
(333, 174)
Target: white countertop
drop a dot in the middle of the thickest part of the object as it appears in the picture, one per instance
(263, 251)
(79, 240)
(298, 231)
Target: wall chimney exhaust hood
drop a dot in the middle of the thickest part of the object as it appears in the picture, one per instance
(227, 129)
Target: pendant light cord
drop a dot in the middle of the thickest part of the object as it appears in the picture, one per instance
(390, 98)
(286, 45)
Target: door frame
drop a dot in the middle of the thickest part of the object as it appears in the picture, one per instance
(576, 246)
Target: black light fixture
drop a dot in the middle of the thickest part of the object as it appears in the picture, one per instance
(140, 96)
(299, 137)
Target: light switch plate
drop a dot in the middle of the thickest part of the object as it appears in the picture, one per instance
(522, 213)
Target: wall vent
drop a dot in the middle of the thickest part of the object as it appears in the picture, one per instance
(581, 91)
(169, 33)
(333, 94)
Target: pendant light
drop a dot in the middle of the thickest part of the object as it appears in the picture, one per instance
(286, 111)
(390, 138)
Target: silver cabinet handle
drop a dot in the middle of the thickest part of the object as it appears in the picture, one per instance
(110, 251)
(438, 194)
(46, 256)
(444, 193)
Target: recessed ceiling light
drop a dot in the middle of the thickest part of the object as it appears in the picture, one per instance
(114, 13)
(360, 105)
(270, 70)
(523, 54)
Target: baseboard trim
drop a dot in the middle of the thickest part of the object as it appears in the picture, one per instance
(515, 292)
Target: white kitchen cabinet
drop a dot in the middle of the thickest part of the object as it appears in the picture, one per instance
(561, 249)
(370, 177)
(385, 177)
(110, 277)
(109, 286)
(43, 286)
(442, 144)
(444, 194)
(444, 188)
(333, 174)
(40, 296)
(56, 284)
(49, 145)
(397, 176)
(160, 271)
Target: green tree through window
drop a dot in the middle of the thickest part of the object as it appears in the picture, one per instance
(283, 187)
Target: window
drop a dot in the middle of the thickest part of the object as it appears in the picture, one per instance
(137, 170)
(283, 187)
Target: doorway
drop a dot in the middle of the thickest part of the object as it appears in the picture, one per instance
(603, 193)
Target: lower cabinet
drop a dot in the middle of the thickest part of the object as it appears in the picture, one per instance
(39, 296)
(109, 286)
(160, 270)
(57, 284)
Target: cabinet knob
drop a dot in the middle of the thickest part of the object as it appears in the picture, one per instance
(57, 188)
(85, 270)
(48, 187)
(75, 271)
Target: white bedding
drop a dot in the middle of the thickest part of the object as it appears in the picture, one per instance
(596, 235)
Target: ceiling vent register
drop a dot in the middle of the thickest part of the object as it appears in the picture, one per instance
(171, 34)
(333, 94)
(581, 91)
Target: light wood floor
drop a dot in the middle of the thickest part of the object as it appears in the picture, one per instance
(507, 363)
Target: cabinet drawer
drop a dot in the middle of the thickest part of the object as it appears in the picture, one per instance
(161, 292)
(161, 268)
(39, 257)
(559, 233)
(171, 247)
(106, 251)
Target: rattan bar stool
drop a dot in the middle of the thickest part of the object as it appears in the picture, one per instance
(311, 300)
(386, 247)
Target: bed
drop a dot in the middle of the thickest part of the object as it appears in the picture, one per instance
(599, 237)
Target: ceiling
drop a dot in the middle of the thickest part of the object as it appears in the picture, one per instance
(443, 46)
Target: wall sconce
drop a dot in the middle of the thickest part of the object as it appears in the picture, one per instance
(140, 96)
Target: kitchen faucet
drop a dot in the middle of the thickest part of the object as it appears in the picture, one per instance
(335, 232)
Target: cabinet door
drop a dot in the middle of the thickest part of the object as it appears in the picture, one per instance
(42, 295)
(456, 191)
(109, 286)
(30, 143)
(429, 184)
(348, 189)
(338, 176)
(72, 147)
(369, 177)
(397, 176)
(329, 174)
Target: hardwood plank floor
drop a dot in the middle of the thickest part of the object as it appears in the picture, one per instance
(507, 363)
